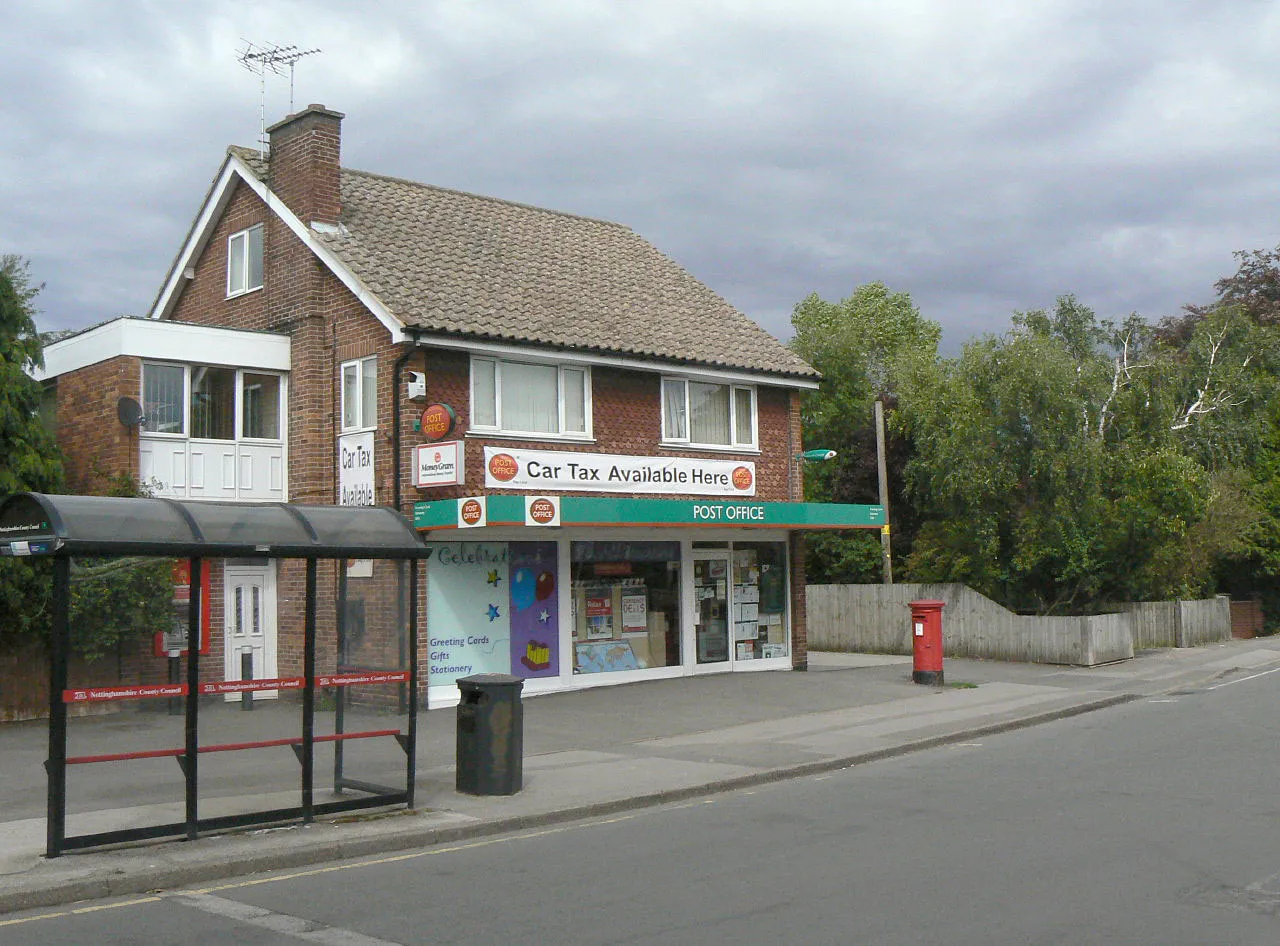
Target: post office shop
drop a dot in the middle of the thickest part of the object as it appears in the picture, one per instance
(570, 592)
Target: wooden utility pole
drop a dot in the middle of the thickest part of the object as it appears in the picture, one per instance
(883, 471)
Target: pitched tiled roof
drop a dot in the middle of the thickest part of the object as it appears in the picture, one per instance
(446, 261)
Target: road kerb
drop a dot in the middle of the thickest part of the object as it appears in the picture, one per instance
(303, 852)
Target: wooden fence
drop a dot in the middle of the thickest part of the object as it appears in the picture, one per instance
(24, 684)
(877, 619)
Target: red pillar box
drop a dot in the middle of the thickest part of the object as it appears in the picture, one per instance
(926, 638)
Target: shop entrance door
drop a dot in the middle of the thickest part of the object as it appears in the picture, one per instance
(250, 632)
(711, 606)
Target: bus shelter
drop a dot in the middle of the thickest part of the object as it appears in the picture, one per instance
(343, 681)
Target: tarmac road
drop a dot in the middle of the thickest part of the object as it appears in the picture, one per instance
(1149, 822)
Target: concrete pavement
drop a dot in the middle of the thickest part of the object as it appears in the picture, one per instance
(587, 753)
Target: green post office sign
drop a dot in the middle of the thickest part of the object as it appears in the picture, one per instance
(605, 511)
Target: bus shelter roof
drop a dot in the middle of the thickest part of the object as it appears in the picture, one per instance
(45, 524)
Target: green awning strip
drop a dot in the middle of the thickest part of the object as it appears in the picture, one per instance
(607, 511)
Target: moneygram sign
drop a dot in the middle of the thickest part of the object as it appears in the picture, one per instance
(548, 470)
(438, 464)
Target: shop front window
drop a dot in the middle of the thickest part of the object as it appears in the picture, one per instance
(626, 605)
(492, 607)
(759, 600)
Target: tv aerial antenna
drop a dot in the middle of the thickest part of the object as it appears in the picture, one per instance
(261, 59)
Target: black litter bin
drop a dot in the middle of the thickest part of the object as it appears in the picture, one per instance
(490, 734)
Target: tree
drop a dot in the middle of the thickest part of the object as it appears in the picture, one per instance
(1255, 286)
(117, 602)
(30, 460)
(1008, 468)
(112, 601)
(1072, 462)
(862, 345)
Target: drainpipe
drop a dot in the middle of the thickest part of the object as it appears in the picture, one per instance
(396, 396)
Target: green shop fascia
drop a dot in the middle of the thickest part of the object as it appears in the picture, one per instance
(573, 591)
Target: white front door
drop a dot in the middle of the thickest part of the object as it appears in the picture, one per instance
(250, 632)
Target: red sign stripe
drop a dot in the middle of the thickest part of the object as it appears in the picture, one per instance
(250, 686)
(166, 690)
(100, 694)
(353, 679)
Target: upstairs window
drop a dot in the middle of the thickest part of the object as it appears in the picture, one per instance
(360, 394)
(708, 415)
(213, 403)
(260, 406)
(164, 399)
(210, 403)
(244, 261)
(527, 399)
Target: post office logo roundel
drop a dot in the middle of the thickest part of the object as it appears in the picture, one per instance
(542, 511)
(742, 478)
(503, 467)
(471, 512)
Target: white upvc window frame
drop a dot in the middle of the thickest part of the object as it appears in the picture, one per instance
(238, 407)
(673, 439)
(238, 283)
(282, 406)
(362, 410)
(498, 428)
(186, 400)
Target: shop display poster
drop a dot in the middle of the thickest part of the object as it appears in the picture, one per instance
(534, 609)
(468, 613)
(635, 612)
(605, 656)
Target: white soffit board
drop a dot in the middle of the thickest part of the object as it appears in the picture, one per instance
(166, 341)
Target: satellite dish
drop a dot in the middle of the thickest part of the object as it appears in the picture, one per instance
(129, 411)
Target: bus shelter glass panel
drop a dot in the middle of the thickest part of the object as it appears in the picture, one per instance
(124, 696)
(363, 698)
(251, 684)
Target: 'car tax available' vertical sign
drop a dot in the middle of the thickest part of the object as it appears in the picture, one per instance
(355, 469)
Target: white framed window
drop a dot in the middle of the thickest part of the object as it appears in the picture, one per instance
(704, 414)
(207, 402)
(527, 398)
(164, 399)
(259, 406)
(360, 394)
(244, 261)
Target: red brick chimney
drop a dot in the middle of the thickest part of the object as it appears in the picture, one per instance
(306, 152)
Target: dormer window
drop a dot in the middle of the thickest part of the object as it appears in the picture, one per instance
(244, 261)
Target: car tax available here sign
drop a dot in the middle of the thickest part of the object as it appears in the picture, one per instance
(553, 470)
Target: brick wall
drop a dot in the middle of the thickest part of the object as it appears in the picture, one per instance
(95, 443)
(306, 154)
(626, 418)
(799, 607)
(1246, 619)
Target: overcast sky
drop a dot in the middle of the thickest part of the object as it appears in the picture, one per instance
(983, 156)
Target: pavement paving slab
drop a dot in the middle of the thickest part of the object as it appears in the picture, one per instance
(587, 753)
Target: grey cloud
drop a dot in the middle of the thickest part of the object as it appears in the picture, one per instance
(983, 161)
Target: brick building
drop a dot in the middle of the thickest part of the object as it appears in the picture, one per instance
(600, 452)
